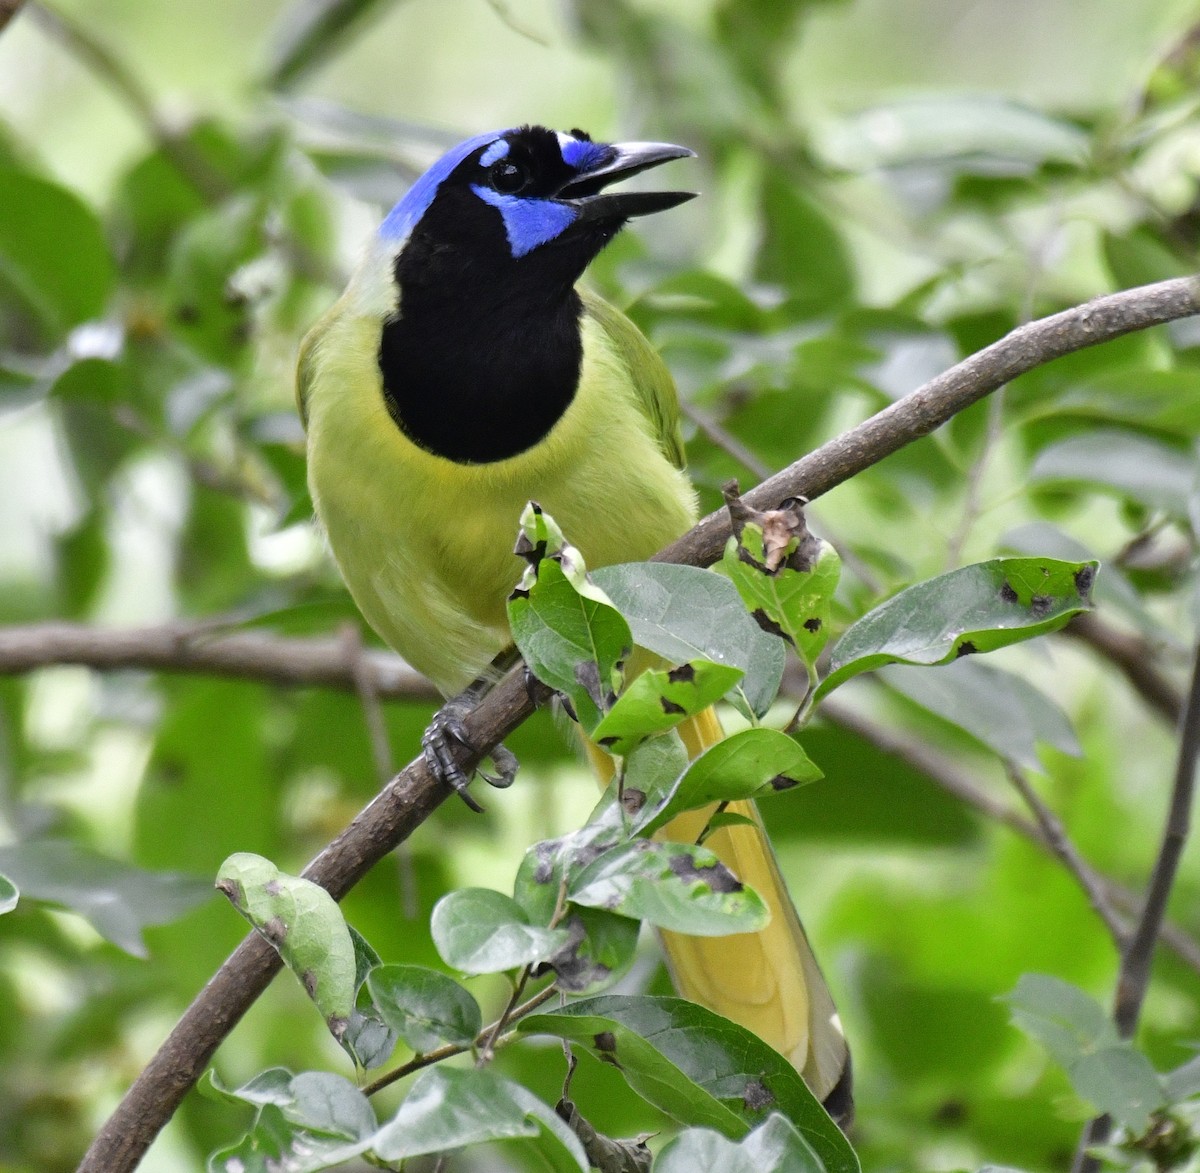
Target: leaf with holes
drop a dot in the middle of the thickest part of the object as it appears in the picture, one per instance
(793, 604)
(975, 609)
(699, 1068)
(304, 924)
(659, 699)
(676, 886)
(573, 639)
(749, 764)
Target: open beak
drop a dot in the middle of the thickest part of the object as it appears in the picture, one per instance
(585, 193)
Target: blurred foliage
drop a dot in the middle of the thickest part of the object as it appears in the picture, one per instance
(151, 467)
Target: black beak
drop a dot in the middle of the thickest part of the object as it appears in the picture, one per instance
(584, 192)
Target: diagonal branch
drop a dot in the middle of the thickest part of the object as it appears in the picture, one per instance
(930, 406)
(1134, 976)
(1055, 836)
(414, 794)
(1135, 657)
(948, 775)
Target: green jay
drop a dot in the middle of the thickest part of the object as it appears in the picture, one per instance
(464, 373)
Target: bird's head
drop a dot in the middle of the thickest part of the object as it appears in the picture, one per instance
(527, 205)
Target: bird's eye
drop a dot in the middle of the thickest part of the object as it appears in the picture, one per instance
(507, 177)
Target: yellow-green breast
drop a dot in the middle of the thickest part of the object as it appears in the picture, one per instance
(425, 544)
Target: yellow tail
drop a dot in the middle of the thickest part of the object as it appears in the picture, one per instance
(769, 981)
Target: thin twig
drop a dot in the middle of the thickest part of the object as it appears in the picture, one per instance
(452, 1049)
(381, 751)
(1135, 969)
(949, 776)
(487, 1050)
(1135, 657)
(192, 166)
(722, 438)
(1056, 838)
(1134, 976)
(972, 502)
(190, 163)
(411, 797)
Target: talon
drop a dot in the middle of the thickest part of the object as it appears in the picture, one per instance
(447, 726)
(506, 765)
(436, 743)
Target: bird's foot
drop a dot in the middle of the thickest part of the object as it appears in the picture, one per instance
(447, 728)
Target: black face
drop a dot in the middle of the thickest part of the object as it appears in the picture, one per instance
(485, 353)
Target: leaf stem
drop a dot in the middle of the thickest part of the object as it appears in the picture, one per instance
(417, 1062)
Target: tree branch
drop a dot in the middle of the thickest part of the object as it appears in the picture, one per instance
(1134, 656)
(1054, 834)
(414, 794)
(930, 406)
(946, 774)
(207, 648)
(1134, 976)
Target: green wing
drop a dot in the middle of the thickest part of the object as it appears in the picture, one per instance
(647, 372)
(306, 359)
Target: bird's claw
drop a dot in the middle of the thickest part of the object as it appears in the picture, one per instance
(447, 727)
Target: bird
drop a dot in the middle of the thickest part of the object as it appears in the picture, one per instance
(464, 372)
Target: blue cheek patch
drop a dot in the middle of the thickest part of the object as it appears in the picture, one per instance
(527, 222)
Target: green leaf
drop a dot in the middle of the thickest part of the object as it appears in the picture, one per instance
(749, 764)
(9, 895)
(1133, 465)
(773, 1147)
(477, 930)
(53, 255)
(1184, 1081)
(728, 819)
(659, 699)
(676, 886)
(310, 32)
(973, 132)
(424, 1007)
(794, 603)
(698, 1067)
(685, 613)
(1002, 710)
(547, 863)
(304, 923)
(802, 250)
(305, 1123)
(1139, 257)
(272, 1086)
(449, 1108)
(262, 1150)
(601, 946)
(1106, 1071)
(571, 636)
(329, 1105)
(1064, 1019)
(975, 609)
(1121, 1081)
(116, 899)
